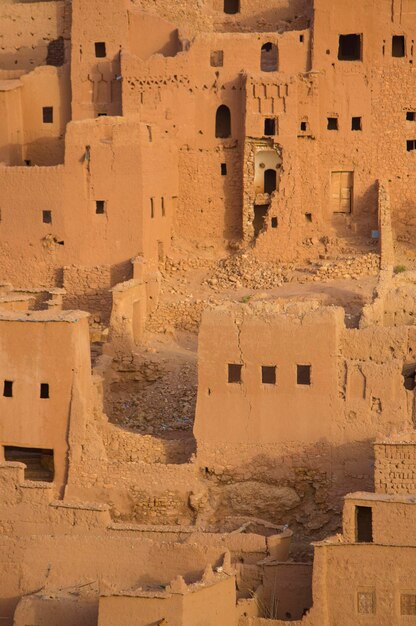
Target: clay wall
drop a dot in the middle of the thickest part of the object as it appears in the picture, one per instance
(59, 347)
(393, 518)
(99, 166)
(354, 584)
(28, 28)
(95, 86)
(199, 605)
(395, 468)
(271, 449)
(207, 16)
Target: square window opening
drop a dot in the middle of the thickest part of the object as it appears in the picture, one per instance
(303, 374)
(350, 48)
(332, 123)
(356, 123)
(308, 217)
(269, 126)
(44, 391)
(408, 604)
(47, 115)
(364, 524)
(231, 7)
(47, 217)
(410, 116)
(234, 373)
(411, 145)
(303, 127)
(39, 462)
(223, 169)
(301, 38)
(8, 389)
(217, 58)
(398, 46)
(268, 374)
(100, 207)
(100, 49)
(275, 222)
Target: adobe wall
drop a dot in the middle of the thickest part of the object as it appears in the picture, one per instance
(209, 15)
(395, 466)
(206, 602)
(100, 164)
(344, 570)
(28, 29)
(300, 446)
(58, 350)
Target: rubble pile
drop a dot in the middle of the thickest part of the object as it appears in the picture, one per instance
(350, 268)
(245, 270)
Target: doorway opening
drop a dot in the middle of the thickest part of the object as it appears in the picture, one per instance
(270, 181)
(364, 524)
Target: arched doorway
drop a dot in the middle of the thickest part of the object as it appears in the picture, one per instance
(223, 122)
(269, 57)
(270, 181)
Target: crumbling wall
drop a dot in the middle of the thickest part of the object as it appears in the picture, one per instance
(28, 30)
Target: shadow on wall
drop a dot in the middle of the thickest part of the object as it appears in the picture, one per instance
(293, 15)
(359, 215)
(302, 488)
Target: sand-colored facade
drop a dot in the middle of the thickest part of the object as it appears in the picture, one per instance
(146, 147)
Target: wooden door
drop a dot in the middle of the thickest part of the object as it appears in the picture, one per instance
(341, 192)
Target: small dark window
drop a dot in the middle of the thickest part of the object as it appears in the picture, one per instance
(303, 127)
(398, 46)
(411, 144)
(308, 217)
(410, 116)
(332, 123)
(270, 126)
(60, 243)
(8, 389)
(47, 217)
(44, 391)
(162, 207)
(356, 123)
(100, 51)
(234, 373)
(223, 169)
(301, 38)
(100, 207)
(152, 208)
(223, 122)
(303, 374)
(269, 57)
(364, 524)
(101, 114)
(409, 375)
(231, 6)
(268, 374)
(47, 115)
(349, 48)
(217, 58)
(274, 222)
(28, 162)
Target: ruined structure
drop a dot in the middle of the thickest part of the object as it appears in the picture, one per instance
(207, 313)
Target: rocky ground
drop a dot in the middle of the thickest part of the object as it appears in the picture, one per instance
(154, 390)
